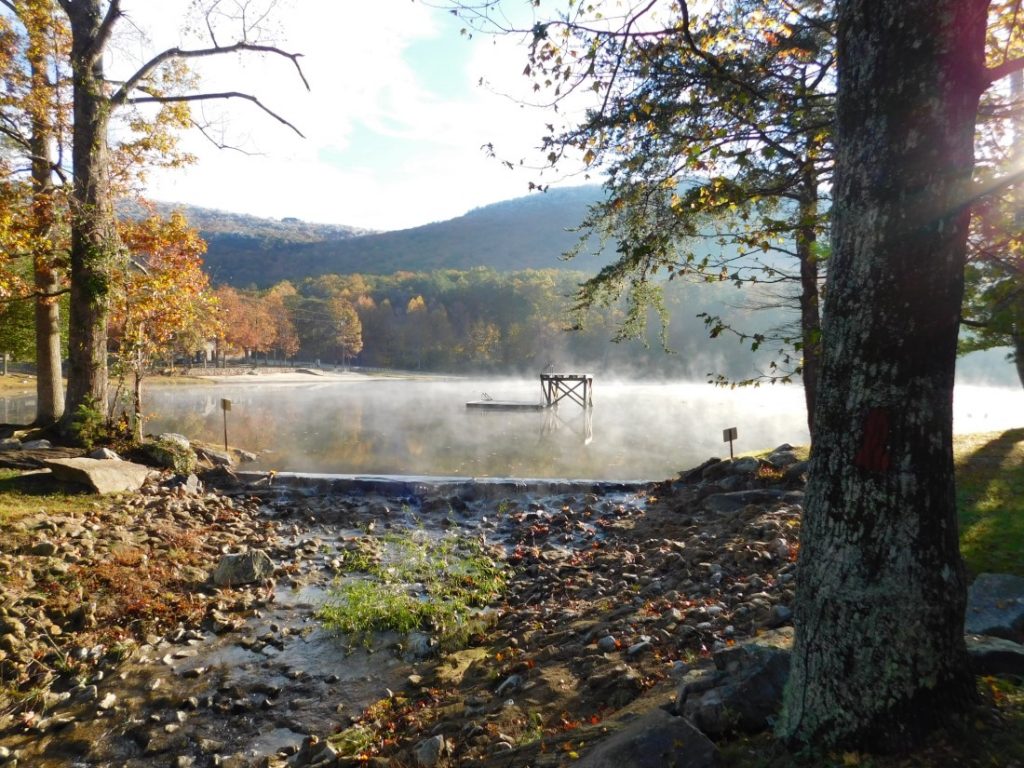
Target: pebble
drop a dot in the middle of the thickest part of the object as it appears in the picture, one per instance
(607, 644)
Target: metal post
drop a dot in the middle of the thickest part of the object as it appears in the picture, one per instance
(728, 435)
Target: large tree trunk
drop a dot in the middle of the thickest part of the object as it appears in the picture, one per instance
(49, 386)
(879, 656)
(93, 236)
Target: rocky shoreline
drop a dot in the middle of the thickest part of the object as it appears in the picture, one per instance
(631, 617)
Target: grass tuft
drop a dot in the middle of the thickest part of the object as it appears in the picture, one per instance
(414, 582)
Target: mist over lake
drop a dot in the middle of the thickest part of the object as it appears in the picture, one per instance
(636, 431)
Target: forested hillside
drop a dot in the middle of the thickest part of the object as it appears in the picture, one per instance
(481, 320)
(526, 233)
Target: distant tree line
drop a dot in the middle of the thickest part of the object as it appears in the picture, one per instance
(477, 320)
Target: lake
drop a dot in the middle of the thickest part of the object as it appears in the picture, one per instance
(636, 431)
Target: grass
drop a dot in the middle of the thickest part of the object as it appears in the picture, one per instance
(990, 499)
(455, 574)
(990, 503)
(30, 494)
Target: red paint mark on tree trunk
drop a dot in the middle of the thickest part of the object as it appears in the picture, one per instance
(874, 448)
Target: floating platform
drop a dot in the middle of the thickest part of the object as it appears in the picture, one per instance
(507, 405)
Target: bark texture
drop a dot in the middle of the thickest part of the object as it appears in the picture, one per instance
(93, 234)
(879, 658)
(49, 386)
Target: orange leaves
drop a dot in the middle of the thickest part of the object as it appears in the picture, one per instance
(163, 294)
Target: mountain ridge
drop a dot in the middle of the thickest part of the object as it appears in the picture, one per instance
(530, 232)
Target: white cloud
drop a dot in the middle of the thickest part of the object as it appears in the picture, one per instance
(424, 160)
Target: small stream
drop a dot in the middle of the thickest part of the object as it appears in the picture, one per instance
(199, 698)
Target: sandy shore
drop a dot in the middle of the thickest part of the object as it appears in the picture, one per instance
(301, 376)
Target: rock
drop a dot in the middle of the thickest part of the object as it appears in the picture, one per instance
(637, 648)
(510, 684)
(43, 549)
(10, 444)
(108, 701)
(244, 568)
(172, 451)
(607, 644)
(215, 458)
(419, 645)
(731, 502)
(796, 473)
(175, 439)
(779, 615)
(103, 453)
(746, 693)
(995, 606)
(780, 459)
(694, 475)
(994, 655)
(191, 484)
(653, 740)
(616, 684)
(428, 753)
(36, 445)
(101, 475)
(313, 752)
(746, 465)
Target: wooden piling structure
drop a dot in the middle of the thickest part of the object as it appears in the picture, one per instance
(578, 387)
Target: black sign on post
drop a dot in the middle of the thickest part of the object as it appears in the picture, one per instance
(225, 405)
(728, 435)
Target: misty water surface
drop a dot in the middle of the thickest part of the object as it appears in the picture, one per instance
(637, 431)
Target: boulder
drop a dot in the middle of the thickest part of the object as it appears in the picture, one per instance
(428, 753)
(173, 437)
(746, 692)
(190, 485)
(212, 457)
(36, 445)
(101, 475)
(656, 739)
(696, 474)
(172, 451)
(782, 459)
(995, 606)
(994, 655)
(796, 473)
(243, 568)
(746, 465)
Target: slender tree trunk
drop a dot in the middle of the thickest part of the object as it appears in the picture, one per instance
(93, 235)
(879, 657)
(810, 314)
(137, 405)
(49, 385)
(1018, 346)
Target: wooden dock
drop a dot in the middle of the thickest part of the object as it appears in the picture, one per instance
(578, 387)
(506, 405)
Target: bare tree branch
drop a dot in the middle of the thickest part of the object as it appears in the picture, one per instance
(212, 97)
(216, 143)
(172, 54)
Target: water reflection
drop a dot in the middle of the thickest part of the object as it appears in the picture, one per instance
(634, 432)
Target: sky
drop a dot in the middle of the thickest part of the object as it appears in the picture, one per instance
(394, 122)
